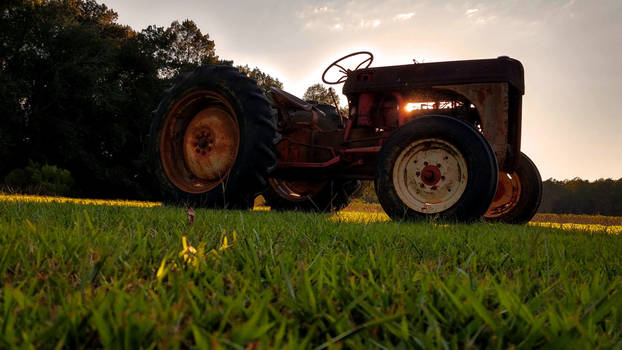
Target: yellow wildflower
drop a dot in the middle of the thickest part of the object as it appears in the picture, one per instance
(224, 244)
(188, 252)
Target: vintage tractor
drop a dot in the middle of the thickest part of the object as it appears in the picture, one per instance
(439, 140)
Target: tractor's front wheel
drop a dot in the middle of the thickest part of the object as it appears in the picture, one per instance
(212, 139)
(436, 166)
(518, 194)
(310, 196)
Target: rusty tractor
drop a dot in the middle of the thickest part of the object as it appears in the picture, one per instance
(439, 140)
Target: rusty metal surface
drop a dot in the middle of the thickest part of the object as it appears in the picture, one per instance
(484, 93)
(287, 99)
(507, 196)
(491, 102)
(421, 75)
(199, 141)
(211, 143)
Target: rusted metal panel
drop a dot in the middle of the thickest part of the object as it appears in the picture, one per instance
(492, 104)
(377, 98)
(211, 143)
(412, 76)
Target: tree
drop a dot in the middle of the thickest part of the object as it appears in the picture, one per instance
(320, 94)
(76, 93)
(264, 80)
(578, 196)
(77, 90)
(179, 48)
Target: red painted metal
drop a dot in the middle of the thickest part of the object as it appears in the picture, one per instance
(430, 175)
(484, 93)
(309, 165)
(372, 149)
(364, 110)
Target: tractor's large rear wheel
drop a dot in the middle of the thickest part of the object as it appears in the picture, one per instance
(212, 139)
(310, 196)
(518, 194)
(436, 166)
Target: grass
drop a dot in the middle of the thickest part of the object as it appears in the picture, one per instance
(84, 276)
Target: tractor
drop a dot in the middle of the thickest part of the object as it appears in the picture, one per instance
(439, 140)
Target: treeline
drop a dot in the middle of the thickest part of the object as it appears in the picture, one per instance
(577, 196)
(76, 94)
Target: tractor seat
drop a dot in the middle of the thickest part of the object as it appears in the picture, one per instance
(285, 98)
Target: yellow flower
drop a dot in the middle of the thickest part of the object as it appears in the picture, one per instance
(224, 244)
(188, 252)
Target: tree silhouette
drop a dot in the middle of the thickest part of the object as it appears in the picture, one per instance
(320, 94)
(77, 90)
(180, 47)
(577, 196)
(264, 80)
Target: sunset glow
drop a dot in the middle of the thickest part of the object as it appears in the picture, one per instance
(569, 49)
(417, 106)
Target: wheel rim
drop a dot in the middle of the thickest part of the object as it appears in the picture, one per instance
(199, 142)
(430, 175)
(296, 191)
(507, 196)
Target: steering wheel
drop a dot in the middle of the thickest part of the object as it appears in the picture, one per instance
(364, 64)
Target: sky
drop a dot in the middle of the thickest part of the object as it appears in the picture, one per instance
(571, 51)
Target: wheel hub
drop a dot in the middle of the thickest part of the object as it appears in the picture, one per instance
(203, 141)
(199, 141)
(507, 196)
(430, 175)
(210, 144)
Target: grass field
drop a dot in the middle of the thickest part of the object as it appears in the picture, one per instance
(92, 276)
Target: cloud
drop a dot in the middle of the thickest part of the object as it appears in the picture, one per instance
(403, 16)
(338, 27)
(371, 23)
(480, 17)
(320, 9)
(484, 20)
(312, 12)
